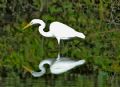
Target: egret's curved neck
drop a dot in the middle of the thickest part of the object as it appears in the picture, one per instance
(42, 68)
(41, 29)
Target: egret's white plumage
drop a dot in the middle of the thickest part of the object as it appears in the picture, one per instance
(57, 66)
(56, 29)
(64, 64)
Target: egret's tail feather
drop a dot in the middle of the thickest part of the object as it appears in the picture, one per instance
(80, 35)
(80, 62)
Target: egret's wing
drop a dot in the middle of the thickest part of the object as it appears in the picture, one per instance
(65, 64)
(62, 30)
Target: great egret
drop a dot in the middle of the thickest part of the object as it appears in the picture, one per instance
(58, 30)
(57, 66)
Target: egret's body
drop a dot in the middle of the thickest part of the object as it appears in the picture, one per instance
(56, 29)
(57, 66)
(64, 64)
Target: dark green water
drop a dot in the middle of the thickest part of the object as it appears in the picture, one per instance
(102, 79)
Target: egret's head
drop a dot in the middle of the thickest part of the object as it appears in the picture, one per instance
(34, 21)
(35, 74)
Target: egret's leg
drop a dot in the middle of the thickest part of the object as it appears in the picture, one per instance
(59, 48)
(58, 56)
(58, 40)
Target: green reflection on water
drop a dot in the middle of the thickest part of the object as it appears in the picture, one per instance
(102, 79)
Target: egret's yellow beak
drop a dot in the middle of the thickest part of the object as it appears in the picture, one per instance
(27, 69)
(27, 26)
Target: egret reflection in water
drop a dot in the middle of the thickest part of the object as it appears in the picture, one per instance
(57, 66)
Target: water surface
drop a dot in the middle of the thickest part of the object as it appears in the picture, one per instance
(102, 79)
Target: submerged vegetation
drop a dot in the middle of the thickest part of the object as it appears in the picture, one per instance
(99, 20)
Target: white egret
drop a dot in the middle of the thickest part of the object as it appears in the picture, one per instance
(57, 66)
(56, 29)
